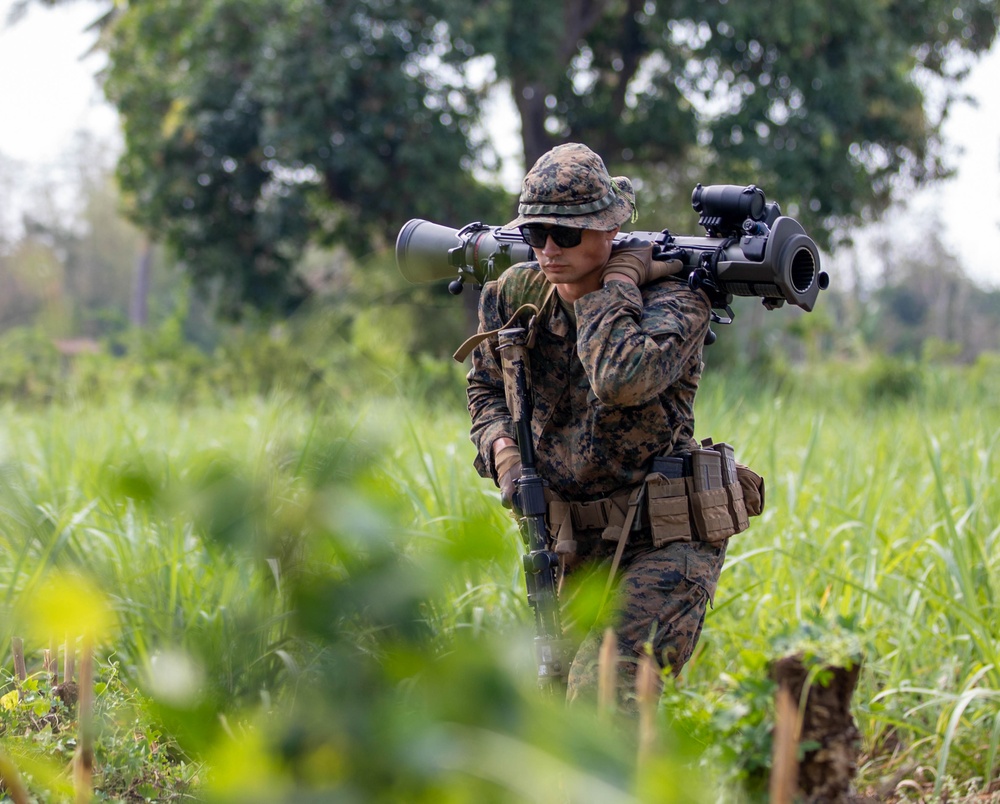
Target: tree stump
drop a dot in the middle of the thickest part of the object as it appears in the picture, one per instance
(828, 731)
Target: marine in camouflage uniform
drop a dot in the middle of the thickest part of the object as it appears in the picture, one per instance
(614, 374)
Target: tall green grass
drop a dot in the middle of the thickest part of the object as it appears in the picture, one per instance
(343, 593)
(881, 518)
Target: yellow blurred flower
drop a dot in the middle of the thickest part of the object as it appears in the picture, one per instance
(70, 604)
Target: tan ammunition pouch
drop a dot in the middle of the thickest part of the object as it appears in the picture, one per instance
(699, 506)
(712, 501)
(706, 504)
(669, 509)
(680, 513)
(753, 489)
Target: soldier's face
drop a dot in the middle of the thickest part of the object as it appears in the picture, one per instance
(576, 270)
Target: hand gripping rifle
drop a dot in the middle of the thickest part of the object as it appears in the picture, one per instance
(540, 563)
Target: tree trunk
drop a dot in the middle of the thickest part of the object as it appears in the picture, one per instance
(529, 96)
(530, 91)
(827, 771)
(138, 313)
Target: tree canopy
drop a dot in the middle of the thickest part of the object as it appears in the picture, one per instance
(822, 103)
(254, 128)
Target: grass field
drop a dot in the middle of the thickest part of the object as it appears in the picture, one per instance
(300, 601)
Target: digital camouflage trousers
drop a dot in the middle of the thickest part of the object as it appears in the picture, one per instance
(662, 596)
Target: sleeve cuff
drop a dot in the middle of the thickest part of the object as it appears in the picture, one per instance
(484, 460)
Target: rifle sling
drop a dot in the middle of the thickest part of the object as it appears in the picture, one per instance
(635, 498)
(563, 516)
(634, 501)
(471, 343)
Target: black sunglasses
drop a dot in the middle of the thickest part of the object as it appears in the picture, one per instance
(535, 235)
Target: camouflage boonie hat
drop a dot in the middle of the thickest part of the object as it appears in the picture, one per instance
(570, 186)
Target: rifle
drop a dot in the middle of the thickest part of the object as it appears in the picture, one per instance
(540, 563)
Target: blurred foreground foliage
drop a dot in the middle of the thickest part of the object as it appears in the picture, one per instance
(313, 598)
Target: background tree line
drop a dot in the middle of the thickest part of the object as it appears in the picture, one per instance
(273, 149)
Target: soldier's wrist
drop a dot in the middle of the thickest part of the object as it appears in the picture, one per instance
(505, 459)
(621, 277)
(501, 442)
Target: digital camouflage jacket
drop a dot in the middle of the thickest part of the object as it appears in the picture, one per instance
(611, 390)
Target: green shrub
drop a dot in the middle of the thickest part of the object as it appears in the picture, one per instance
(889, 380)
(31, 369)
